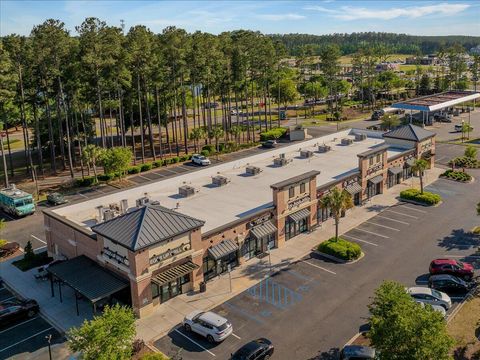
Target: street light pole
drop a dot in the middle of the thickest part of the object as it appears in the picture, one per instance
(49, 339)
(3, 155)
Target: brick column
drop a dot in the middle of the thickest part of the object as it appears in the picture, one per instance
(197, 258)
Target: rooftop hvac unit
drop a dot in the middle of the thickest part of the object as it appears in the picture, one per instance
(280, 161)
(281, 156)
(108, 214)
(100, 210)
(123, 206)
(360, 137)
(306, 153)
(219, 180)
(324, 148)
(155, 203)
(347, 141)
(253, 170)
(142, 201)
(186, 190)
(114, 207)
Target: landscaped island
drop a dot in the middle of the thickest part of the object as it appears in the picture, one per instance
(426, 197)
(341, 249)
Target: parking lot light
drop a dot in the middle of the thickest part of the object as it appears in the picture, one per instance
(49, 339)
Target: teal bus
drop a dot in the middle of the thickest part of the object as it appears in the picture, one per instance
(16, 202)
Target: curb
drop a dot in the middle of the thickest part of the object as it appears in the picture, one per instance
(419, 203)
(337, 260)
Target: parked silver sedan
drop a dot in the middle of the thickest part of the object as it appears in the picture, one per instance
(430, 296)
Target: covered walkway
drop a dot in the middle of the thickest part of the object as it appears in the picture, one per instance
(86, 278)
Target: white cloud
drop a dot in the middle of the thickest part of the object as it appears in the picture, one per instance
(280, 17)
(357, 13)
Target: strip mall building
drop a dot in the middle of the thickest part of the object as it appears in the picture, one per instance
(169, 236)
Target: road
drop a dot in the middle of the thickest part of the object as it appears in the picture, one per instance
(331, 299)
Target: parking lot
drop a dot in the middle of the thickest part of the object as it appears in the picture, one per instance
(312, 307)
(24, 336)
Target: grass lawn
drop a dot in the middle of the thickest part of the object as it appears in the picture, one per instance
(465, 328)
(14, 144)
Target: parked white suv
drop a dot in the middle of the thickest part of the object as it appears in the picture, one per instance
(208, 324)
(438, 308)
(430, 296)
(200, 160)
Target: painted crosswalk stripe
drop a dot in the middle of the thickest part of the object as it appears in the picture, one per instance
(394, 220)
(196, 343)
(373, 233)
(319, 267)
(384, 226)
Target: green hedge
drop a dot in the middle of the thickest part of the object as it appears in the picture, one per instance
(341, 249)
(205, 152)
(157, 163)
(273, 134)
(457, 175)
(146, 167)
(427, 198)
(133, 170)
(86, 181)
(209, 147)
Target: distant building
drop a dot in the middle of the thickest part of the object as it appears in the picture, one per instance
(426, 60)
(475, 50)
(387, 66)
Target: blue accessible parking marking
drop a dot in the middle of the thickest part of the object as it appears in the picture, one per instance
(274, 293)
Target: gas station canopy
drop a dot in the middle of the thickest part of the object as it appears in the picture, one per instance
(436, 102)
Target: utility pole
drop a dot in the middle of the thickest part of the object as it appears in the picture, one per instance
(5, 173)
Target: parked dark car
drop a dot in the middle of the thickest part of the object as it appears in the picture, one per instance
(449, 284)
(260, 349)
(452, 267)
(357, 352)
(11, 311)
(269, 144)
(211, 105)
(56, 199)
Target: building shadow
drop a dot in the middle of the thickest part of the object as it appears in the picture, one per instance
(459, 239)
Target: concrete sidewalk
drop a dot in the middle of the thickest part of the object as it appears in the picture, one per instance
(243, 277)
(63, 314)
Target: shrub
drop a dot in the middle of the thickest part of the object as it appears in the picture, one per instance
(341, 249)
(3, 242)
(209, 147)
(457, 175)
(106, 177)
(221, 147)
(205, 152)
(146, 167)
(86, 181)
(154, 356)
(175, 160)
(133, 170)
(157, 163)
(427, 198)
(273, 134)
(183, 158)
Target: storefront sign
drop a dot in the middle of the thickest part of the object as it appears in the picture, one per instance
(260, 220)
(374, 168)
(121, 259)
(298, 202)
(350, 181)
(168, 254)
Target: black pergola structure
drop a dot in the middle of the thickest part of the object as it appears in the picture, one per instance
(86, 278)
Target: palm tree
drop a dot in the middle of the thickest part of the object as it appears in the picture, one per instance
(420, 166)
(338, 201)
(92, 154)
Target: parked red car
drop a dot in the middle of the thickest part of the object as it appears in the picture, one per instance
(452, 267)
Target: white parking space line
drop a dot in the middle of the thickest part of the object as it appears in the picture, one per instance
(384, 226)
(28, 338)
(399, 213)
(14, 326)
(10, 298)
(36, 238)
(357, 239)
(200, 346)
(86, 197)
(144, 177)
(410, 208)
(395, 220)
(440, 158)
(373, 233)
(170, 171)
(319, 267)
(100, 191)
(236, 336)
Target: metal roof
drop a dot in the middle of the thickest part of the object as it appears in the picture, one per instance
(376, 179)
(354, 188)
(174, 273)
(224, 248)
(265, 229)
(395, 170)
(295, 179)
(437, 101)
(145, 226)
(409, 132)
(300, 215)
(88, 278)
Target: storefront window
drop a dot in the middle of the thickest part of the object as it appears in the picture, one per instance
(155, 291)
(291, 192)
(302, 187)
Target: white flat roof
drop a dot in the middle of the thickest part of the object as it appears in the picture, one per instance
(243, 195)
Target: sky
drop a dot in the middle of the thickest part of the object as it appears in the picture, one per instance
(311, 17)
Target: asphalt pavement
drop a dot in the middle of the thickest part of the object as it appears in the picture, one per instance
(312, 308)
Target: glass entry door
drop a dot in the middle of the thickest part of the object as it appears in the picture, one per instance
(170, 290)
